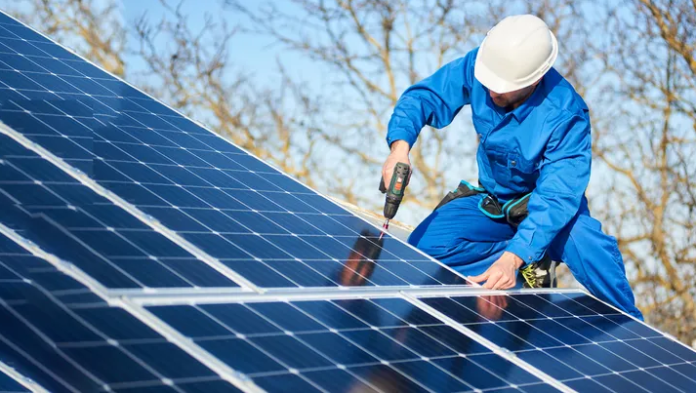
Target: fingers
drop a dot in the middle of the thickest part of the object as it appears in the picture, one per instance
(493, 280)
(480, 277)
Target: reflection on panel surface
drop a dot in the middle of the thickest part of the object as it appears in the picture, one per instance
(381, 344)
(578, 340)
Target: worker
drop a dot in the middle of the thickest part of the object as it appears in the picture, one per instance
(534, 155)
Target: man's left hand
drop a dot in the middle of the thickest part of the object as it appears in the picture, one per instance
(502, 274)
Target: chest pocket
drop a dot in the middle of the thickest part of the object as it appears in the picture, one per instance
(513, 169)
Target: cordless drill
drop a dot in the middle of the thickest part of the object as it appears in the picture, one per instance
(395, 192)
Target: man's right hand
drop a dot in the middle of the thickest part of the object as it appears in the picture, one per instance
(399, 153)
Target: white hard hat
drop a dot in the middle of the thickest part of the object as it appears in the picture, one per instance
(516, 52)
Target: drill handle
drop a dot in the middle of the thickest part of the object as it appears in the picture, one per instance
(402, 171)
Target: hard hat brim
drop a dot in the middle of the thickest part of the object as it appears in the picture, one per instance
(499, 85)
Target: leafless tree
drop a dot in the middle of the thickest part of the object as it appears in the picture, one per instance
(648, 146)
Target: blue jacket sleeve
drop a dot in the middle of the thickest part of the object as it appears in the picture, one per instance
(563, 178)
(434, 101)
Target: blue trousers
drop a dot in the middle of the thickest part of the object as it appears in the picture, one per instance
(461, 236)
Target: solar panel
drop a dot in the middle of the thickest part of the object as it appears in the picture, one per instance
(578, 340)
(215, 200)
(366, 345)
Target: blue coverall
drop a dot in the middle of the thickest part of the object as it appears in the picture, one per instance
(543, 147)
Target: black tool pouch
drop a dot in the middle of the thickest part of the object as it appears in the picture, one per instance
(463, 190)
(516, 210)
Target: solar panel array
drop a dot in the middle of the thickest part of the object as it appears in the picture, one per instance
(141, 252)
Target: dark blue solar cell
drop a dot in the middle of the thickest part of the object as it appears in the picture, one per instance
(197, 272)
(139, 172)
(286, 316)
(240, 319)
(408, 273)
(146, 119)
(216, 221)
(552, 366)
(63, 147)
(337, 348)
(148, 137)
(217, 198)
(386, 377)
(296, 246)
(370, 312)
(290, 351)
(216, 246)
(330, 315)
(538, 303)
(578, 361)
(22, 47)
(257, 246)
(344, 275)
(169, 360)
(432, 377)
(468, 370)
(288, 202)
(88, 86)
(259, 273)
(215, 178)
(183, 157)
(21, 63)
(180, 176)
(587, 385)
(338, 381)
(56, 323)
(270, 223)
(108, 243)
(622, 383)
(380, 345)
(535, 337)
(18, 81)
(419, 342)
(254, 181)
(407, 312)
(175, 219)
(285, 382)
(177, 196)
(559, 332)
(190, 322)
(151, 273)
(299, 273)
(329, 246)
(58, 66)
(30, 194)
(116, 323)
(454, 310)
(137, 195)
(101, 361)
(42, 170)
(26, 123)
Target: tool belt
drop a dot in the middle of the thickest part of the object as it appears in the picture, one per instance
(513, 211)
